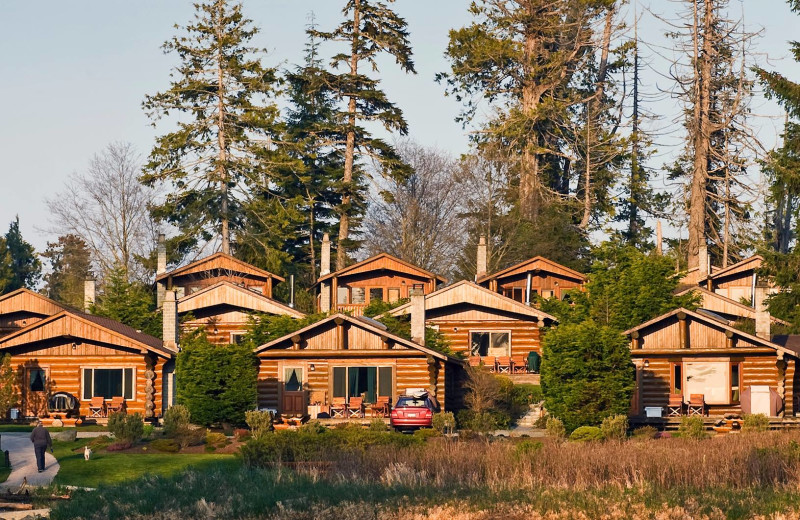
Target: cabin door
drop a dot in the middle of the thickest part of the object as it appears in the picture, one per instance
(35, 392)
(293, 397)
(710, 378)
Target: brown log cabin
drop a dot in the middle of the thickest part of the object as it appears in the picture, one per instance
(682, 353)
(83, 355)
(219, 293)
(478, 322)
(383, 277)
(343, 356)
(731, 310)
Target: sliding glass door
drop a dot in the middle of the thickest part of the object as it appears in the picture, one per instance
(367, 381)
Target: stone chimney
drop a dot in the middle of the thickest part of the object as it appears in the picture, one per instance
(161, 268)
(325, 256)
(417, 315)
(702, 261)
(763, 317)
(89, 294)
(481, 260)
(170, 319)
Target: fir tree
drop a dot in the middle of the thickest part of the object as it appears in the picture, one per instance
(131, 303)
(23, 268)
(70, 267)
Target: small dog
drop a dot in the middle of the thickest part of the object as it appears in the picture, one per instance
(87, 453)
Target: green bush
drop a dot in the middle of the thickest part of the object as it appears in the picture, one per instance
(378, 425)
(541, 422)
(692, 428)
(216, 440)
(98, 443)
(483, 422)
(427, 433)
(645, 432)
(313, 426)
(755, 423)
(586, 434)
(126, 427)
(148, 431)
(555, 428)
(524, 394)
(444, 422)
(615, 427)
(191, 437)
(176, 420)
(165, 445)
(260, 422)
(217, 383)
(527, 448)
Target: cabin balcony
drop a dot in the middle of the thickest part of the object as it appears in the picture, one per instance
(355, 309)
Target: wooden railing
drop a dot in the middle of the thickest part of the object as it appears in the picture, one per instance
(356, 309)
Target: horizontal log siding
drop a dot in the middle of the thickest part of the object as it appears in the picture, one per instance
(525, 336)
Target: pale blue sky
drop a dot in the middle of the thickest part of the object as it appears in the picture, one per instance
(73, 75)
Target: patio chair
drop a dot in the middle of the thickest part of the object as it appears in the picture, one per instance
(355, 407)
(504, 365)
(519, 365)
(117, 405)
(97, 407)
(339, 407)
(380, 408)
(474, 361)
(490, 362)
(697, 405)
(675, 405)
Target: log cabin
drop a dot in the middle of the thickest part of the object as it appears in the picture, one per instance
(220, 293)
(345, 356)
(22, 307)
(380, 277)
(733, 311)
(86, 356)
(736, 282)
(535, 276)
(478, 322)
(684, 353)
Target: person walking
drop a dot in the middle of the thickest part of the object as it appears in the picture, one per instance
(40, 438)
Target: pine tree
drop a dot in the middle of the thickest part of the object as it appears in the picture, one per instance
(131, 303)
(70, 266)
(370, 29)
(24, 268)
(227, 94)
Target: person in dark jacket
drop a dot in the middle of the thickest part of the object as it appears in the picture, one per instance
(40, 438)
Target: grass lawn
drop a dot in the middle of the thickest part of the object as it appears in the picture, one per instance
(113, 468)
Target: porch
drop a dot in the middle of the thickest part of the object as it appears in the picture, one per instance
(672, 423)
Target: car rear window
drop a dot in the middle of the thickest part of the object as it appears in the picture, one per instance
(409, 402)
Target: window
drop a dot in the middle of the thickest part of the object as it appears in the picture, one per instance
(490, 343)
(367, 381)
(293, 379)
(677, 378)
(342, 294)
(375, 293)
(357, 294)
(394, 294)
(518, 294)
(548, 293)
(37, 379)
(237, 338)
(108, 383)
(736, 374)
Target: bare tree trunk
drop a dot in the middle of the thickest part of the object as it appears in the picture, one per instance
(222, 167)
(350, 149)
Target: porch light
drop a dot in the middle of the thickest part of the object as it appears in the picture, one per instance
(646, 363)
(311, 367)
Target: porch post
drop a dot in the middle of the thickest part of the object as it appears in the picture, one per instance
(781, 364)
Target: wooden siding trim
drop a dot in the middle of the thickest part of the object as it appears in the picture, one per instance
(219, 261)
(389, 262)
(227, 293)
(533, 264)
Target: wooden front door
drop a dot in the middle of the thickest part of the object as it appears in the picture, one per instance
(35, 391)
(293, 395)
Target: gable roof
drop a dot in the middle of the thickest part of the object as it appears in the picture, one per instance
(717, 303)
(25, 300)
(752, 263)
(219, 261)
(537, 263)
(398, 265)
(92, 326)
(225, 292)
(466, 292)
(715, 323)
(363, 324)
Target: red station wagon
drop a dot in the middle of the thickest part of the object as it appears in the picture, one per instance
(412, 412)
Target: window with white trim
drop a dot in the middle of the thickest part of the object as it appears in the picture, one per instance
(485, 343)
(109, 383)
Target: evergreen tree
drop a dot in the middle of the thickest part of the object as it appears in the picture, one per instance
(22, 266)
(223, 144)
(129, 302)
(369, 30)
(70, 266)
(782, 168)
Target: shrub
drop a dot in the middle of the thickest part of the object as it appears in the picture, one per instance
(148, 430)
(191, 437)
(444, 422)
(118, 446)
(527, 448)
(555, 428)
(692, 428)
(615, 427)
(165, 445)
(483, 422)
(645, 432)
(427, 433)
(260, 422)
(541, 422)
(377, 425)
(524, 394)
(176, 419)
(313, 426)
(126, 427)
(241, 434)
(98, 443)
(586, 434)
(217, 383)
(216, 440)
(755, 423)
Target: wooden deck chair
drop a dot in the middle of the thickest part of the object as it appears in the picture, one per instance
(675, 405)
(697, 405)
(339, 407)
(355, 407)
(490, 362)
(97, 407)
(380, 408)
(519, 365)
(504, 365)
(474, 361)
(117, 405)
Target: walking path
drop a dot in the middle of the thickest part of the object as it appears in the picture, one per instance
(23, 462)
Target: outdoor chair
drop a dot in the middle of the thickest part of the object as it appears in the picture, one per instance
(117, 405)
(339, 407)
(675, 405)
(490, 362)
(504, 365)
(380, 408)
(697, 405)
(97, 407)
(519, 365)
(474, 361)
(355, 407)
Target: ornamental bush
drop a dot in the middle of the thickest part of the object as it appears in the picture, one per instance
(692, 428)
(615, 427)
(586, 434)
(127, 428)
(260, 422)
(757, 422)
(176, 420)
(555, 428)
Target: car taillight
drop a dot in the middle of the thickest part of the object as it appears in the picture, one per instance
(428, 413)
(395, 413)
